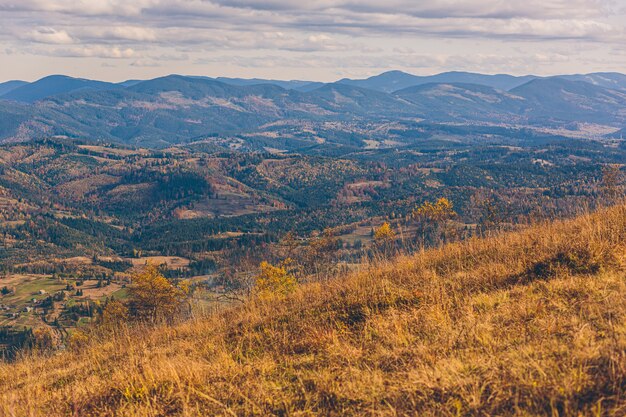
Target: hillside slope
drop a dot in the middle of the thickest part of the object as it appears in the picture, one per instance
(396, 80)
(528, 323)
(560, 99)
(54, 85)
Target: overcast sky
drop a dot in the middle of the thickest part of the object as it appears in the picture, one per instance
(308, 39)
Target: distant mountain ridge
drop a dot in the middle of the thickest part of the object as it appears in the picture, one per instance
(287, 85)
(445, 101)
(612, 80)
(559, 98)
(53, 85)
(387, 82)
(174, 109)
(397, 80)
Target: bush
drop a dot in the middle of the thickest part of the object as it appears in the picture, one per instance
(153, 297)
(77, 340)
(275, 280)
(113, 313)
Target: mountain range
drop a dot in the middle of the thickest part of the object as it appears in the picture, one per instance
(175, 108)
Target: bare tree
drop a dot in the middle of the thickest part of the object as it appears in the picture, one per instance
(612, 184)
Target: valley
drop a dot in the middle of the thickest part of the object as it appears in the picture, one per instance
(80, 217)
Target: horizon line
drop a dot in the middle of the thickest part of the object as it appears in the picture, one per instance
(315, 81)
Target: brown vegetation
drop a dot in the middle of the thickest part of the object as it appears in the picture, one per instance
(154, 298)
(527, 323)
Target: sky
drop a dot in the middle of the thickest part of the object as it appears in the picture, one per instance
(323, 40)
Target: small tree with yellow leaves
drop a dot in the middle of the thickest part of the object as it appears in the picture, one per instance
(488, 209)
(152, 297)
(432, 221)
(77, 340)
(275, 280)
(384, 237)
(113, 314)
(384, 233)
(44, 338)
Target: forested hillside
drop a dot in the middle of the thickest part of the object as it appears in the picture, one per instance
(79, 218)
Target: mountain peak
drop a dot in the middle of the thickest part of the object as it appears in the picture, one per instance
(54, 85)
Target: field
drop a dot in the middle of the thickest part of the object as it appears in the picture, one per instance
(530, 323)
(172, 262)
(27, 289)
(23, 307)
(229, 205)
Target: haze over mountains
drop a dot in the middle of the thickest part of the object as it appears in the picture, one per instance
(177, 109)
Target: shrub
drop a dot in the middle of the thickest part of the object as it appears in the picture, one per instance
(113, 313)
(153, 297)
(384, 233)
(275, 280)
(77, 340)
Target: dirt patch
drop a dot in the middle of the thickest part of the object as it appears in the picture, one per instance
(173, 262)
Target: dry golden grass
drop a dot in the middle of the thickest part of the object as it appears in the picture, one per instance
(529, 323)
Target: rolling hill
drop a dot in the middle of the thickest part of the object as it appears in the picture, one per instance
(287, 85)
(397, 80)
(558, 99)
(13, 116)
(442, 101)
(54, 85)
(10, 86)
(613, 80)
(357, 101)
(526, 323)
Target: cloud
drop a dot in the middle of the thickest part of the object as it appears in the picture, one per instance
(438, 8)
(530, 19)
(78, 7)
(48, 35)
(145, 63)
(119, 33)
(347, 33)
(92, 52)
(170, 57)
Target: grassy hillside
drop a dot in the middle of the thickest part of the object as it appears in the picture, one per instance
(530, 323)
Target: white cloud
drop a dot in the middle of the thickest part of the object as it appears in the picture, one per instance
(439, 8)
(119, 33)
(48, 35)
(97, 51)
(78, 7)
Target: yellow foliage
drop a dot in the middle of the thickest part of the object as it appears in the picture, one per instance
(44, 338)
(384, 233)
(153, 297)
(275, 280)
(77, 340)
(114, 312)
(441, 210)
